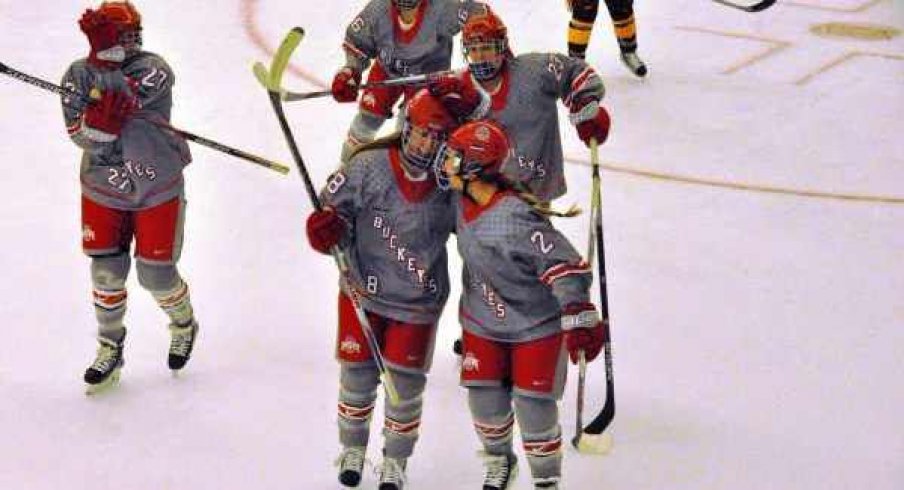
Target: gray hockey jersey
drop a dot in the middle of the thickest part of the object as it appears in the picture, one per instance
(398, 232)
(425, 48)
(143, 166)
(525, 105)
(518, 272)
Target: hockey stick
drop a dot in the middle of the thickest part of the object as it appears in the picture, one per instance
(37, 82)
(756, 7)
(410, 80)
(271, 80)
(592, 439)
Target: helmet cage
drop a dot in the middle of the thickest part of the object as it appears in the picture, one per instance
(461, 167)
(422, 159)
(406, 4)
(485, 69)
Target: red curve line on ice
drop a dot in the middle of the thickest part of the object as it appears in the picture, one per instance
(249, 22)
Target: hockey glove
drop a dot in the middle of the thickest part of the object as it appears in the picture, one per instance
(325, 229)
(459, 98)
(345, 85)
(105, 118)
(103, 36)
(583, 331)
(591, 120)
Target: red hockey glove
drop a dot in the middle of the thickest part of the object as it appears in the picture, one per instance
(592, 121)
(583, 331)
(108, 115)
(325, 229)
(345, 85)
(460, 99)
(103, 36)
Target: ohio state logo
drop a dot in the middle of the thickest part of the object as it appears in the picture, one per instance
(88, 234)
(482, 133)
(350, 346)
(470, 362)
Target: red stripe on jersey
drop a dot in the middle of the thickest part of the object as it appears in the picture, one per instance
(471, 210)
(355, 51)
(406, 36)
(561, 270)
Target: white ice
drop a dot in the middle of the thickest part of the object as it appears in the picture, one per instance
(758, 336)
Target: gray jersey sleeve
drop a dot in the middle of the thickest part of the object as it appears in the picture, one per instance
(79, 79)
(361, 43)
(344, 190)
(546, 254)
(571, 79)
(154, 80)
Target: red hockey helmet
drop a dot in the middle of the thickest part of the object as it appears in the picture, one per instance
(479, 148)
(127, 20)
(485, 44)
(428, 117)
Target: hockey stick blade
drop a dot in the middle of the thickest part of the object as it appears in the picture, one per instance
(593, 443)
(757, 7)
(272, 79)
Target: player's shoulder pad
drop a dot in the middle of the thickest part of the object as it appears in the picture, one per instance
(146, 61)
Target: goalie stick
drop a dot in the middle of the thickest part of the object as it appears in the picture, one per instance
(755, 7)
(288, 96)
(65, 92)
(271, 80)
(592, 439)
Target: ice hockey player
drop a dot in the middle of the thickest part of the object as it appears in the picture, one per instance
(520, 92)
(383, 208)
(583, 14)
(131, 180)
(401, 38)
(524, 296)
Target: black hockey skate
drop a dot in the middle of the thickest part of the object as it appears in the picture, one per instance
(634, 64)
(181, 343)
(351, 465)
(104, 371)
(501, 470)
(546, 483)
(392, 474)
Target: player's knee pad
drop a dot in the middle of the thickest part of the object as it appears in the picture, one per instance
(358, 385)
(364, 127)
(491, 409)
(584, 10)
(109, 272)
(157, 278)
(620, 10)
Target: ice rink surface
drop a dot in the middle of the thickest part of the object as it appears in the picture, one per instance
(753, 199)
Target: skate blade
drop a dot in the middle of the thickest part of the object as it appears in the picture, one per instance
(595, 443)
(104, 385)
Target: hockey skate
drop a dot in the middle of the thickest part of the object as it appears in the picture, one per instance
(181, 343)
(392, 474)
(501, 471)
(351, 465)
(104, 371)
(634, 64)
